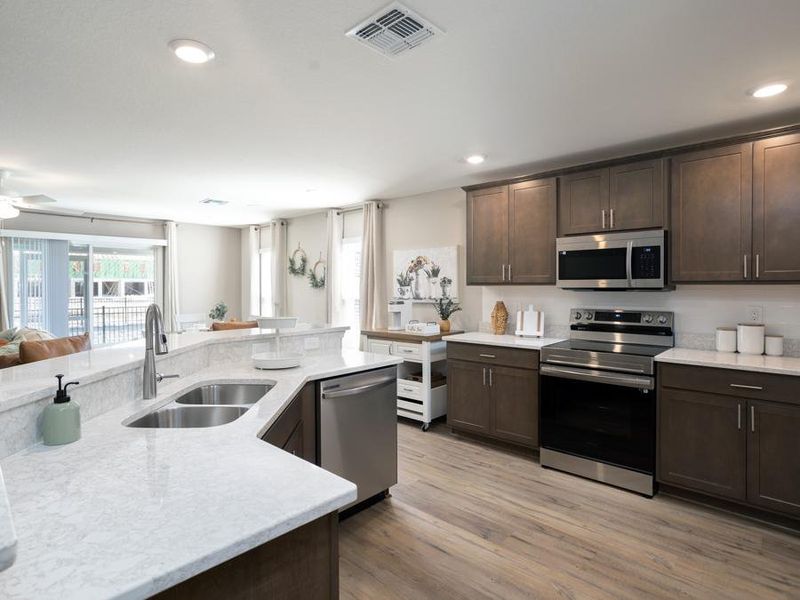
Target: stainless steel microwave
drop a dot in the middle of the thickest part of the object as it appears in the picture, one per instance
(628, 260)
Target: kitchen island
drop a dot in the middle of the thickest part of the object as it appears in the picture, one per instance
(130, 512)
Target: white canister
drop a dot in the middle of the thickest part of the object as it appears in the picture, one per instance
(773, 345)
(726, 339)
(750, 338)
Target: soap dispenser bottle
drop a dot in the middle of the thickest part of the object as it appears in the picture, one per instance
(62, 419)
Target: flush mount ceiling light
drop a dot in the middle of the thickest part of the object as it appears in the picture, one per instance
(475, 159)
(192, 51)
(773, 89)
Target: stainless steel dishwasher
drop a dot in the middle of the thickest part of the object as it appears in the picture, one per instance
(358, 430)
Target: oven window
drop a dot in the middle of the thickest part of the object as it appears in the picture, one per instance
(603, 422)
(606, 263)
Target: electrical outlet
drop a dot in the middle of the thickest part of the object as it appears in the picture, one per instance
(755, 314)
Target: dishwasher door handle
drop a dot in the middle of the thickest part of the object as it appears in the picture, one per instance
(358, 389)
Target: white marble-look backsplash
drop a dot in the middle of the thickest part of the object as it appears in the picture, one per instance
(699, 309)
(20, 422)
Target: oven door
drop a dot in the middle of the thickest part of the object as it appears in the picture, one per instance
(603, 416)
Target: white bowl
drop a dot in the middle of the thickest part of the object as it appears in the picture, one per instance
(272, 360)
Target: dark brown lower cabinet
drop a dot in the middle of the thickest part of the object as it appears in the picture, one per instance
(731, 434)
(494, 400)
(295, 430)
(773, 456)
(303, 563)
(702, 442)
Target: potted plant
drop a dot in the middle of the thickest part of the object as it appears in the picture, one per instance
(433, 279)
(218, 312)
(445, 307)
(404, 283)
(445, 283)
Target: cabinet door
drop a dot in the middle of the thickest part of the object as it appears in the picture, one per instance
(468, 405)
(776, 209)
(515, 404)
(712, 215)
(487, 235)
(702, 442)
(637, 195)
(295, 429)
(583, 202)
(532, 217)
(773, 456)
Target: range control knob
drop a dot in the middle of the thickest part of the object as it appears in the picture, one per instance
(648, 318)
(588, 316)
(662, 319)
(577, 316)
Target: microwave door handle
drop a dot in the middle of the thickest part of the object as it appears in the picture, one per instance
(629, 263)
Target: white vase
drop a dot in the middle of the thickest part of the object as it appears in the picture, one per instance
(418, 289)
(433, 286)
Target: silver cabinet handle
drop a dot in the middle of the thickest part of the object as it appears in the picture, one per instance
(758, 260)
(484, 376)
(487, 355)
(509, 272)
(745, 266)
(746, 387)
(603, 217)
(752, 418)
(739, 416)
(491, 383)
(611, 218)
(504, 272)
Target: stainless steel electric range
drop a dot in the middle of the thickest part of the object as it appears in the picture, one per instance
(598, 396)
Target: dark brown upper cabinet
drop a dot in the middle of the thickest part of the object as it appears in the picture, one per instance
(511, 233)
(712, 206)
(532, 222)
(487, 235)
(628, 196)
(776, 209)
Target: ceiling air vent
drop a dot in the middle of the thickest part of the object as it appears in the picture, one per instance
(213, 202)
(394, 30)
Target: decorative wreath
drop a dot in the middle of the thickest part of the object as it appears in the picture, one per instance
(317, 281)
(298, 265)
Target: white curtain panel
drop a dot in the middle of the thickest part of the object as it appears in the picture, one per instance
(171, 300)
(5, 323)
(280, 264)
(373, 276)
(334, 299)
(250, 272)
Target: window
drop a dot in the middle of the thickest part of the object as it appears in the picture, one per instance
(350, 289)
(265, 275)
(48, 279)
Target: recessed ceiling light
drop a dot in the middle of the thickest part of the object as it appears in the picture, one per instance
(476, 159)
(773, 89)
(191, 51)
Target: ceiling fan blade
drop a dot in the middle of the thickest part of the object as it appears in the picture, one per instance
(37, 199)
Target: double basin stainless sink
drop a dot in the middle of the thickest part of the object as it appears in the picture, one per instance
(205, 406)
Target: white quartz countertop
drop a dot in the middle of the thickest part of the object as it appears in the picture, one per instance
(780, 365)
(128, 512)
(8, 538)
(509, 341)
(23, 383)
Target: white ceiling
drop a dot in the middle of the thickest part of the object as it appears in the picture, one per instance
(95, 110)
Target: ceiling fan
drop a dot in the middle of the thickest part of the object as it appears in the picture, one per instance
(11, 203)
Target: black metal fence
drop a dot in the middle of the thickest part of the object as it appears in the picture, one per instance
(114, 320)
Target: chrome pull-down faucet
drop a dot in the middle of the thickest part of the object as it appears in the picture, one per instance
(155, 343)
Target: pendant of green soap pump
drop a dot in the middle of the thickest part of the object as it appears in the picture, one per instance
(62, 419)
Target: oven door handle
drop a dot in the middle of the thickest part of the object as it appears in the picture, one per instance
(570, 363)
(642, 383)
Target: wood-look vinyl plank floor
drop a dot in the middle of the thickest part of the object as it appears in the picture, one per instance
(468, 520)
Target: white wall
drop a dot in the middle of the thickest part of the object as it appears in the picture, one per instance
(305, 302)
(210, 268)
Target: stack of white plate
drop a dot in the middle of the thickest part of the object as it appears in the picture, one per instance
(279, 359)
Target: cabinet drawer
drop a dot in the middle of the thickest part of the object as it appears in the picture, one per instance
(410, 406)
(741, 384)
(409, 389)
(407, 350)
(495, 355)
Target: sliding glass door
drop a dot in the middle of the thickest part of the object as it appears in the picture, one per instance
(70, 288)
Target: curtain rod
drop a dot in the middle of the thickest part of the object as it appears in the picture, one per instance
(350, 209)
(90, 217)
